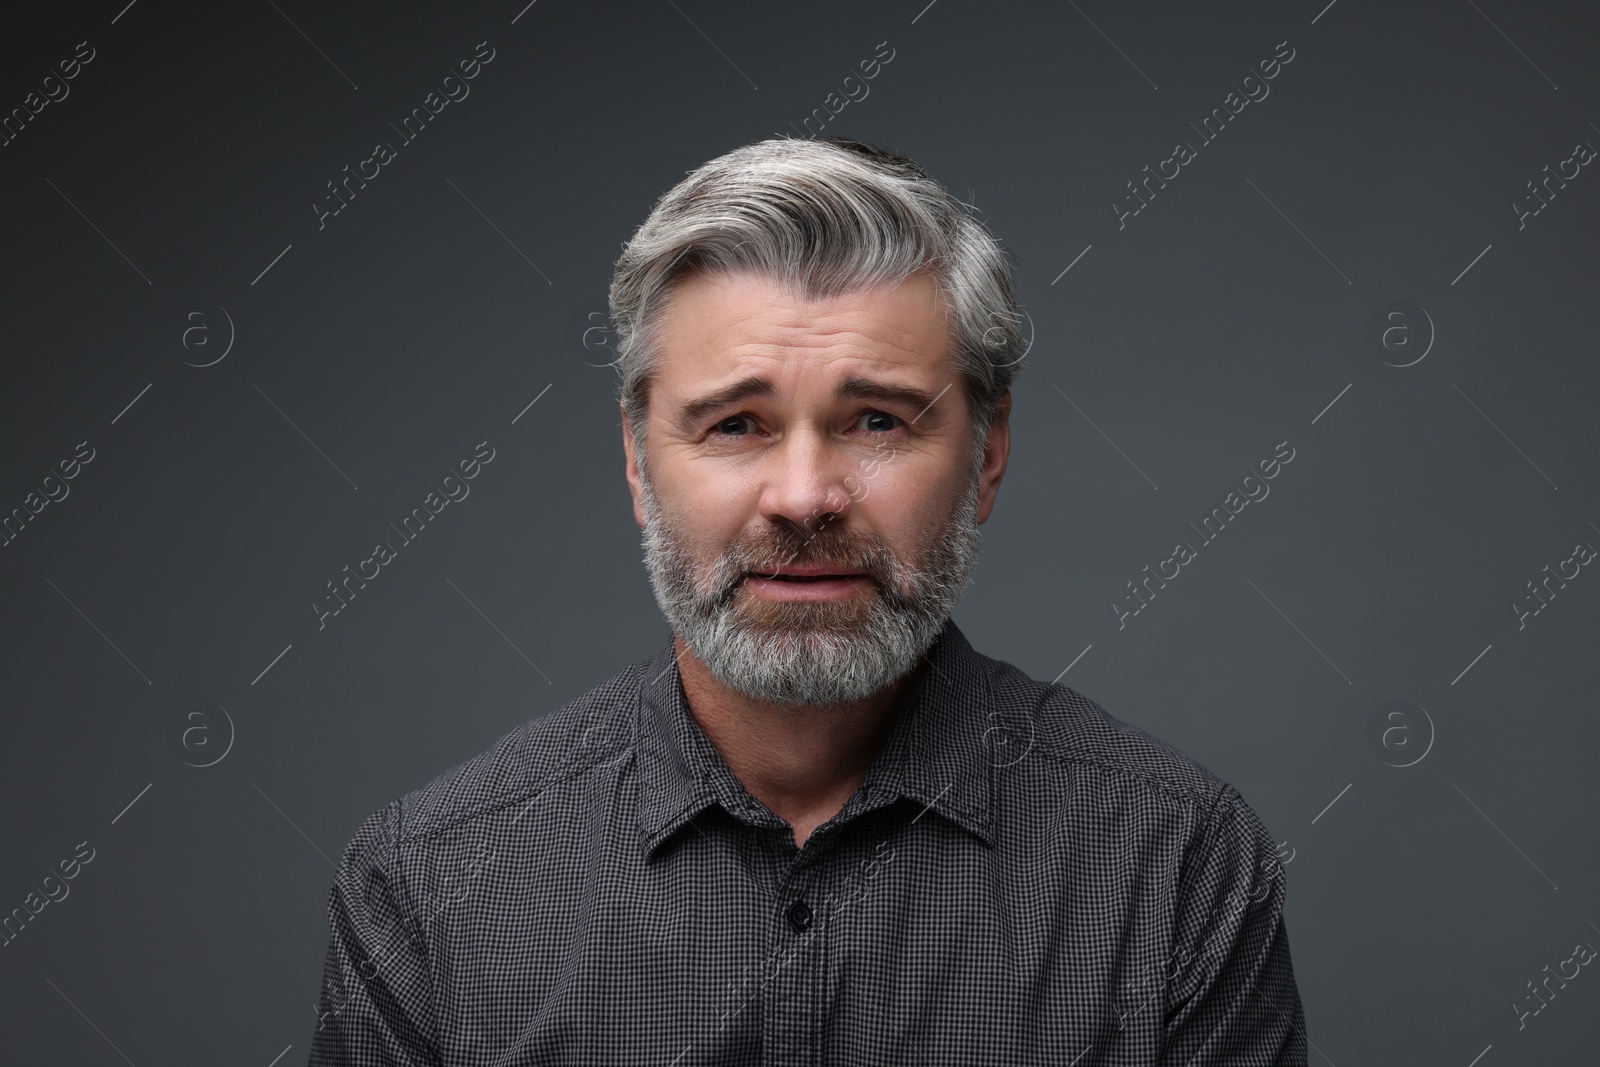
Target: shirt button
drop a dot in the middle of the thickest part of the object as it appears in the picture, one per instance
(800, 917)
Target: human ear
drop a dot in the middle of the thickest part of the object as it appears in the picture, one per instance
(631, 470)
(996, 453)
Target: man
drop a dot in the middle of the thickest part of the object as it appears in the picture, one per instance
(817, 827)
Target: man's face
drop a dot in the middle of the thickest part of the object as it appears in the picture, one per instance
(808, 492)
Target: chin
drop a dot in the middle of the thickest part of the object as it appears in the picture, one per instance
(803, 618)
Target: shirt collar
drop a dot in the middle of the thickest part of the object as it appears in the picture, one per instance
(935, 755)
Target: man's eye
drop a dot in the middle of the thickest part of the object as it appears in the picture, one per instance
(880, 421)
(733, 425)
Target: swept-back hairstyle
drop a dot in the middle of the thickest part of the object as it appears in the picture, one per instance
(820, 217)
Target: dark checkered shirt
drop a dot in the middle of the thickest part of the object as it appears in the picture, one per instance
(1021, 879)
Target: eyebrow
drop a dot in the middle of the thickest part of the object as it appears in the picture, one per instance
(692, 413)
(867, 389)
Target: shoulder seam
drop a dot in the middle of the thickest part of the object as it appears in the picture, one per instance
(1190, 798)
(575, 764)
(561, 773)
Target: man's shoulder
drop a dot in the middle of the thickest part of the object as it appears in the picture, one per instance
(569, 741)
(1054, 722)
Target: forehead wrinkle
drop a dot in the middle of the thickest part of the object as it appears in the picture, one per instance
(847, 376)
(784, 319)
(805, 349)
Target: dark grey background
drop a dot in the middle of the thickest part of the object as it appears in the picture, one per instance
(378, 351)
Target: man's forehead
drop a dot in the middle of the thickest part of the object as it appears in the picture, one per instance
(719, 327)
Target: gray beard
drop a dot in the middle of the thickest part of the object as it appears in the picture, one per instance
(810, 653)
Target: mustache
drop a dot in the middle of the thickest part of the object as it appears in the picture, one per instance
(830, 545)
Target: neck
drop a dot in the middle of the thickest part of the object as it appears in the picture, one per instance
(803, 762)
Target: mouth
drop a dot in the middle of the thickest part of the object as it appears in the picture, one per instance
(819, 582)
(809, 574)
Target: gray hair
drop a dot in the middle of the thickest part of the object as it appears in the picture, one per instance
(821, 217)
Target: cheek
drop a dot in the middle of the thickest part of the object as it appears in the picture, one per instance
(709, 506)
(907, 507)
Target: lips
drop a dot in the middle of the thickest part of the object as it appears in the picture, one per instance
(809, 574)
(822, 586)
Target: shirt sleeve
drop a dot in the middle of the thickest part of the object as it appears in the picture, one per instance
(376, 1004)
(1232, 999)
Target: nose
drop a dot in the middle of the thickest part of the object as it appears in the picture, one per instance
(804, 482)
